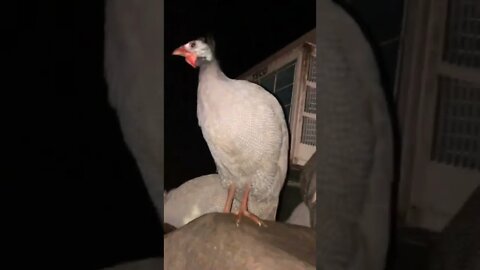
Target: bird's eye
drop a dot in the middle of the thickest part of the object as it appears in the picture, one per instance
(193, 44)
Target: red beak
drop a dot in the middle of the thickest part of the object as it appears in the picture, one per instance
(190, 57)
(180, 51)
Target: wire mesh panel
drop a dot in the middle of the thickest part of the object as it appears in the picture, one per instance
(462, 39)
(309, 123)
(311, 100)
(308, 131)
(457, 128)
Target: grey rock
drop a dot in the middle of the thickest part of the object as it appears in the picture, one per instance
(213, 241)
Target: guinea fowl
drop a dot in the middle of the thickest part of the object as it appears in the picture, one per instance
(245, 129)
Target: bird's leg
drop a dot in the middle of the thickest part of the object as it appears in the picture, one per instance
(244, 209)
(228, 203)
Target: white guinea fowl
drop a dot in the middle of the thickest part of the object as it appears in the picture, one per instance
(245, 129)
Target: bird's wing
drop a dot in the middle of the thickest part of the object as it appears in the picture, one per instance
(251, 142)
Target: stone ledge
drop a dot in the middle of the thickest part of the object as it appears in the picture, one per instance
(213, 241)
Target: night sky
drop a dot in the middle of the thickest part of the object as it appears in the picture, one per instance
(246, 32)
(71, 190)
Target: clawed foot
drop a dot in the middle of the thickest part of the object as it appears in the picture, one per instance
(250, 216)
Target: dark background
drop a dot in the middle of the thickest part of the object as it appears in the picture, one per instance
(246, 32)
(70, 193)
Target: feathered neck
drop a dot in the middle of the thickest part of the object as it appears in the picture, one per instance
(211, 69)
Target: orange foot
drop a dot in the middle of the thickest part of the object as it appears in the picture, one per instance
(249, 215)
(244, 210)
(228, 203)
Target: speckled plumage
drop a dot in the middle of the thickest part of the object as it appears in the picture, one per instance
(355, 161)
(245, 129)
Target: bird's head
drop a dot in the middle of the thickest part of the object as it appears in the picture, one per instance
(196, 52)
